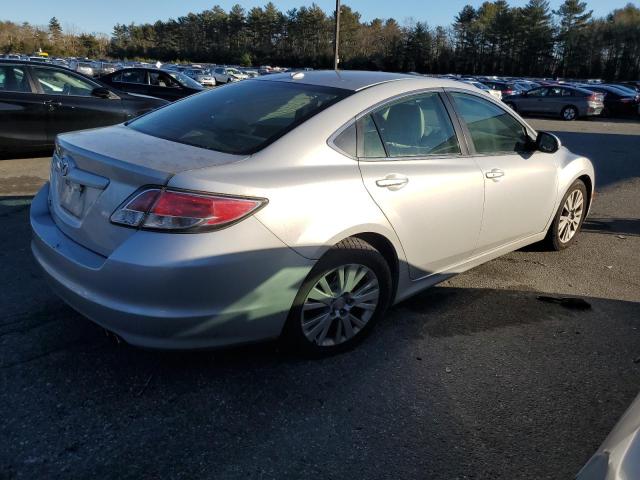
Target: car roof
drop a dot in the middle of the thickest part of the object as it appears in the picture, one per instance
(350, 79)
(9, 60)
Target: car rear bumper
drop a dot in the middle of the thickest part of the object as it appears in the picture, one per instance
(175, 291)
(594, 110)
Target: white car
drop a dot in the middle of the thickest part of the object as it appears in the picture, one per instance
(297, 206)
(201, 76)
(495, 93)
(227, 75)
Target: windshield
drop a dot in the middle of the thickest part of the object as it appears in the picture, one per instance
(186, 80)
(241, 118)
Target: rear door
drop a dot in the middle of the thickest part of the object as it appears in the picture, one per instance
(414, 167)
(70, 103)
(22, 111)
(534, 101)
(520, 183)
(132, 80)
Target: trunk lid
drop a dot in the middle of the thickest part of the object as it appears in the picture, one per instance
(94, 171)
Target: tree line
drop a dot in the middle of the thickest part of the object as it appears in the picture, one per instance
(493, 39)
(27, 38)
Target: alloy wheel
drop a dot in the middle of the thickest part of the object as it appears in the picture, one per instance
(571, 216)
(569, 113)
(340, 305)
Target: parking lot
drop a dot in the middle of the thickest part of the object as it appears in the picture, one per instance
(475, 378)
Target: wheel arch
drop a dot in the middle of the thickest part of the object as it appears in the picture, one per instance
(386, 248)
(588, 182)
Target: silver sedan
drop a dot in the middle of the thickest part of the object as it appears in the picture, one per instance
(297, 206)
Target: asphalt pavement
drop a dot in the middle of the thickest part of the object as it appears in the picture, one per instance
(473, 379)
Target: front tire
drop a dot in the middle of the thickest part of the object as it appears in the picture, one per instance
(344, 295)
(569, 217)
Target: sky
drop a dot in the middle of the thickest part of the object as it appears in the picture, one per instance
(101, 15)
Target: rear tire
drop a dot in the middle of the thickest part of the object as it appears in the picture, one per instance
(342, 298)
(512, 106)
(569, 113)
(569, 218)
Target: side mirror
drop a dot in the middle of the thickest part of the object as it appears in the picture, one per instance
(547, 143)
(101, 92)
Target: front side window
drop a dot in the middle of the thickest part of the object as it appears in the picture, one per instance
(417, 127)
(185, 80)
(492, 129)
(13, 79)
(133, 76)
(241, 118)
(161, 79)
(57, 82)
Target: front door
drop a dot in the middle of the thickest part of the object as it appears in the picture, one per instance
(71, 105)
(413, 167)
(22, 112)
(162, 85)
(520, 183)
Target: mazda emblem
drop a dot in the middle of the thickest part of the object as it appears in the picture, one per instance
(62, 165)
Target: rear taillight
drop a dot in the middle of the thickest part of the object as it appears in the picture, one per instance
(508, 92)
(175, 210)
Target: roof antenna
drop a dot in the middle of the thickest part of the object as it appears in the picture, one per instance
(336, 45)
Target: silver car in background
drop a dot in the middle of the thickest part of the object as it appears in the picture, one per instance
(484, 88)
(567, 102)
(296, 205)
(85, 68)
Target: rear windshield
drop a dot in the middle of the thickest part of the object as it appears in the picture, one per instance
(240, 118)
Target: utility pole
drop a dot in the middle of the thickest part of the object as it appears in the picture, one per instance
(336, 58)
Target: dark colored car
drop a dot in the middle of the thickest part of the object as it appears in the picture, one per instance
(633, 84)
(169, 85)
(562, 100)
(37, 102)
(618, 101)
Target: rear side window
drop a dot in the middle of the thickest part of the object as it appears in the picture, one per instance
(492, 129)
(346, 141)
(241, 118)
(13, 79)
(370, 145)
(417, 127)
(133, 76)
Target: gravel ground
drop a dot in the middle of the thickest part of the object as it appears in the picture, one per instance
(475, 378)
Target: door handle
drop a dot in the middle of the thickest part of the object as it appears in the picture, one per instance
(494, 174)
(52, 104)
(392, 182)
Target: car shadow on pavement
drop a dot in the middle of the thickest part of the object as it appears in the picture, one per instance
(624, 227)
(26, 154)
(453, 382)
(608, 152)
